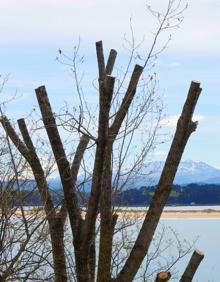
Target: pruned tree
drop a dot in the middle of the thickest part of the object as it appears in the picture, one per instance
(83, 229)
(112, 125)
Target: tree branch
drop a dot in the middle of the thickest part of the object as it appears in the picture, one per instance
(111, 62)
(185, 127)
(126, 102)
(105, 102)
(37, 169)
(61, 159)
(31, 157)
(84, 140)
(14, 137)
(192, 266)
(100, 60)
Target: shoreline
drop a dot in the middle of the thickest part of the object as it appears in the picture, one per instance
(132, 213)
(205, 213)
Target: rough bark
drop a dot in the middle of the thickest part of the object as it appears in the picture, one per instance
(57, 241)
(105, 245)
(185, 127)
(192, 266)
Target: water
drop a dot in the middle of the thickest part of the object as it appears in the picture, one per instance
(175, 208)
(207, 232)
(208, 242)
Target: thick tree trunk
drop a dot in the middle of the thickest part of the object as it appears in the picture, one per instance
(82, 265)
(58, 251)
(85, 262)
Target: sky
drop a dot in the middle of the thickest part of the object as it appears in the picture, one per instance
(32, 32)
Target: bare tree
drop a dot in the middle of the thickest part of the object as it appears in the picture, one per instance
(116, 121)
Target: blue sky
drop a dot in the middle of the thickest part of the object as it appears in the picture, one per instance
(33, 31)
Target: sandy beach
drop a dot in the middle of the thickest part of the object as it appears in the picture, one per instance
(206, 213)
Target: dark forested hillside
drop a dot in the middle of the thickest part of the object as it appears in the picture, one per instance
(206, 194)
(181, 195)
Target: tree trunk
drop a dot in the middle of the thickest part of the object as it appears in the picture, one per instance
(57, 236)
(82, 265)
(105, 246)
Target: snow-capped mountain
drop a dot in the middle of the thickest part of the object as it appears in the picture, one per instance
(188, 172)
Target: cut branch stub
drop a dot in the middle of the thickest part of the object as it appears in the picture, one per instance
(163, 276)
(192, 266)
(111, 62)
(25, 134)
(101, 60)
(14, 137)
(84, 140)
(108, 91)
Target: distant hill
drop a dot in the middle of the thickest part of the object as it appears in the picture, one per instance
(188, 172)
(192, 194)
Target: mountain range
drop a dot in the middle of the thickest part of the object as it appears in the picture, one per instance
(188, 172)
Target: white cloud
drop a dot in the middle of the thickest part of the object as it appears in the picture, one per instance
(55, 22)
(172, 120)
